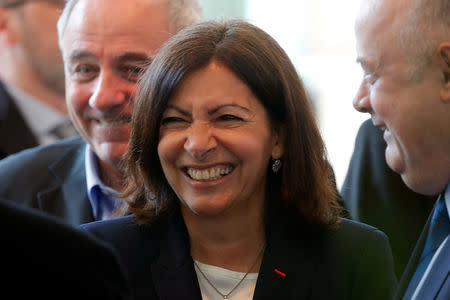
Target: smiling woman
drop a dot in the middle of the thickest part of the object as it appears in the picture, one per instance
(229, 185)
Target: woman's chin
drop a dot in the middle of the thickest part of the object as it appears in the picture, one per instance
(205, 209)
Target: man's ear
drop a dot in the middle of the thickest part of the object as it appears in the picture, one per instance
(7, 33)
(444, 55)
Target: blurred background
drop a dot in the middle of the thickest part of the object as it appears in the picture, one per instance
(319, 38)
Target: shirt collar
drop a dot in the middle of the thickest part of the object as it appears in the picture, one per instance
(93, 174)
(102, 206)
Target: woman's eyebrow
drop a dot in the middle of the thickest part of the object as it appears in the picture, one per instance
(181, 111)
(226, 105)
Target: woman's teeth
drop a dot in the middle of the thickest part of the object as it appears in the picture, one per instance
(209, 174)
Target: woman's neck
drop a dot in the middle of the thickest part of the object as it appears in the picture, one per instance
(232, 242)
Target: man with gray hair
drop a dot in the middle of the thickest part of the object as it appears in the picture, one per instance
(106, 45)
(404, 49)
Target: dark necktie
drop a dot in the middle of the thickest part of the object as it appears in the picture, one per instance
(439, 229)
(105, 203)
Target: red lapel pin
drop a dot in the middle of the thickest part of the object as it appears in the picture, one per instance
(280, 273)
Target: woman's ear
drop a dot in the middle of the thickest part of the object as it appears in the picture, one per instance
(444, 56)
(278, 148)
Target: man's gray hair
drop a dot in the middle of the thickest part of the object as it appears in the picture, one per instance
(427, 25)
(181, 13)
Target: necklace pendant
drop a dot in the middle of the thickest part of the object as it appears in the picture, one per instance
(225, 297)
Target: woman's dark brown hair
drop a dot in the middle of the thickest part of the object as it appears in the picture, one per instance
(303, 184)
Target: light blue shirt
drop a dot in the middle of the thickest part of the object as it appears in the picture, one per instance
(103, 198)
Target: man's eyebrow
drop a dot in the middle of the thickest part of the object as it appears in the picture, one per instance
(126, 56)
(369, 67)
(80, 54)
(133, 56)
(362, 62)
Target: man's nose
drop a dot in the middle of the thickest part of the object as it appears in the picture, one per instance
(108, 92)
(361, 102)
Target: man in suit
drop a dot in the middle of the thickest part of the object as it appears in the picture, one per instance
(32, 108)
(376, 195)
(403, 47)
(46, 259)
(105, 47)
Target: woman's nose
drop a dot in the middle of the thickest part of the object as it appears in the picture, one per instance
(200, 140)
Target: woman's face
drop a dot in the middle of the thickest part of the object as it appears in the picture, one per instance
(215, 144)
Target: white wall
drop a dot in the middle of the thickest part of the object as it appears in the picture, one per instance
(318, 36)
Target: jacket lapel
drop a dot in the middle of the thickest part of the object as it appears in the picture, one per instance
(173, 271)
(285, 273)
(287, 268)
(438, 274)
(66, 193)
(413, 261)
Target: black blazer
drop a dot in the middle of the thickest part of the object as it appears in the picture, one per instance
(15, 135)
(437, 285)
(50, 178)
(354, 262)
(376, 195)
(45, 259)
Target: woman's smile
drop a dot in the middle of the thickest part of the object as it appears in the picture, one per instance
(216, 141)
(209, 174)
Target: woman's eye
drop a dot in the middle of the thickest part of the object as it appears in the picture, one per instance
(229, 118)
(171, 120)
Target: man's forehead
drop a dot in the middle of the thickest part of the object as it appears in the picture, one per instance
(112, 17)
(381, 13)
(377, 30)
(99, 26)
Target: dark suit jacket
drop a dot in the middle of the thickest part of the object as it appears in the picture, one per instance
(45, 259)
(354, 262)
(15, 135)
(49, 178)
(376, 195)
(437, 285)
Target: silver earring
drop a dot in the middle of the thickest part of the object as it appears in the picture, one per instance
(276, 166)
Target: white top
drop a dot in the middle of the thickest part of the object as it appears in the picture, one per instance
(224, 280)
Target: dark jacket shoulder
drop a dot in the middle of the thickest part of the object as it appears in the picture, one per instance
(31, 166)
(75, 265)
(46, 153)
(51, 178)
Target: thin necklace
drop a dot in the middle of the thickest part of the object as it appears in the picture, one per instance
(226, 296)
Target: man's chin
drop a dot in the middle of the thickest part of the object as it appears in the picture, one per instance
(394, 161)
(423, 183)
(111, 153)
